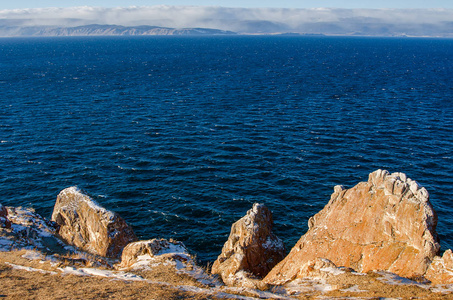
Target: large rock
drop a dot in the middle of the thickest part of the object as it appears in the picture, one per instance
(251, 250)
(384, 224)
(4, 221)
(88, 226)
(441, 269)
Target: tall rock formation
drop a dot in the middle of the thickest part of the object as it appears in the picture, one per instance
(251, 250)
(88, 226)
(385, 224)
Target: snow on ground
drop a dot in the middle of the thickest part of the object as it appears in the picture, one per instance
(306, 285)
(353, 289)
(393, 279)
(444, 289)
(29, 269)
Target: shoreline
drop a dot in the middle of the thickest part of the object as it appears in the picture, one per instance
(33, 254)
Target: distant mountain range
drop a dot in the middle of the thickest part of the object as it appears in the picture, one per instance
(104, 30)
(201, 20)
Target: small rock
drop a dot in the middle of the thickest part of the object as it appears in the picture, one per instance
(155, 247)
(90, 227)
(4, 221)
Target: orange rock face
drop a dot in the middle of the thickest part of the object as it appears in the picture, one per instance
(384, 224)
(441, 269)
(88, 226)
(251, 250)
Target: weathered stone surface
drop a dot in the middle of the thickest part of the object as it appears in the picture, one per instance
(88, 226)
(384, 224)
(251, 250)
(4, 221)
(441, 269)
(319, 268)
(136, 251)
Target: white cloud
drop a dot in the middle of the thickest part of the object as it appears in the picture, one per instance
(236, 19)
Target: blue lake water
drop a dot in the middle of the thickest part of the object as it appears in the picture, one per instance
(181, 135)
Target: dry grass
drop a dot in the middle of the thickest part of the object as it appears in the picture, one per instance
(167, 284)
(21, 284)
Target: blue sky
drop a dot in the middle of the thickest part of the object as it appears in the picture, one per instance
(233, 3)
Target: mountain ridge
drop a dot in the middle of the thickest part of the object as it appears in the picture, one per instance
(105, 30)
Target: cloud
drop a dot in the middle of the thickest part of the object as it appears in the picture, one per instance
(235, 19)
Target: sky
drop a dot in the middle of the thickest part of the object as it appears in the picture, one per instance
(20, 4)
(395, 17)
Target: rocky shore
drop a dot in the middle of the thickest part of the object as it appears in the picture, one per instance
(376, 239)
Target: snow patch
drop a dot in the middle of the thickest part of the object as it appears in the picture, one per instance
(34, 255)
(391, 278)
(29, 269)
(81, 197)
(444, 289)
(307, 285)
(101, 273)
(353, 289)
(332, 270)
(273, 244)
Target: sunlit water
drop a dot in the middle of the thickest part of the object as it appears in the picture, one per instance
(182, 135)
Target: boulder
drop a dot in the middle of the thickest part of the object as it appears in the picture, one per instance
(144, 251)
(88, 226)
(4, 221)
(386, 223)
(251, 250)
(441, 269)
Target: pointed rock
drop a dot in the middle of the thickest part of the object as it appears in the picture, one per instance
(384, 224)
(4, 221)
(88, 226)
(251, 250)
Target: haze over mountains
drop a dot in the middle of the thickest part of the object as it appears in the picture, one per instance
(165, 19)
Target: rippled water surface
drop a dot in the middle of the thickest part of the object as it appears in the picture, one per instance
(182, 135)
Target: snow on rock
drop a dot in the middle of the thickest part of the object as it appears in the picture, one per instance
(251, 251)
(88, 226)
(142, 253)
(30, 231)
(148, 254)
(386, 223)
